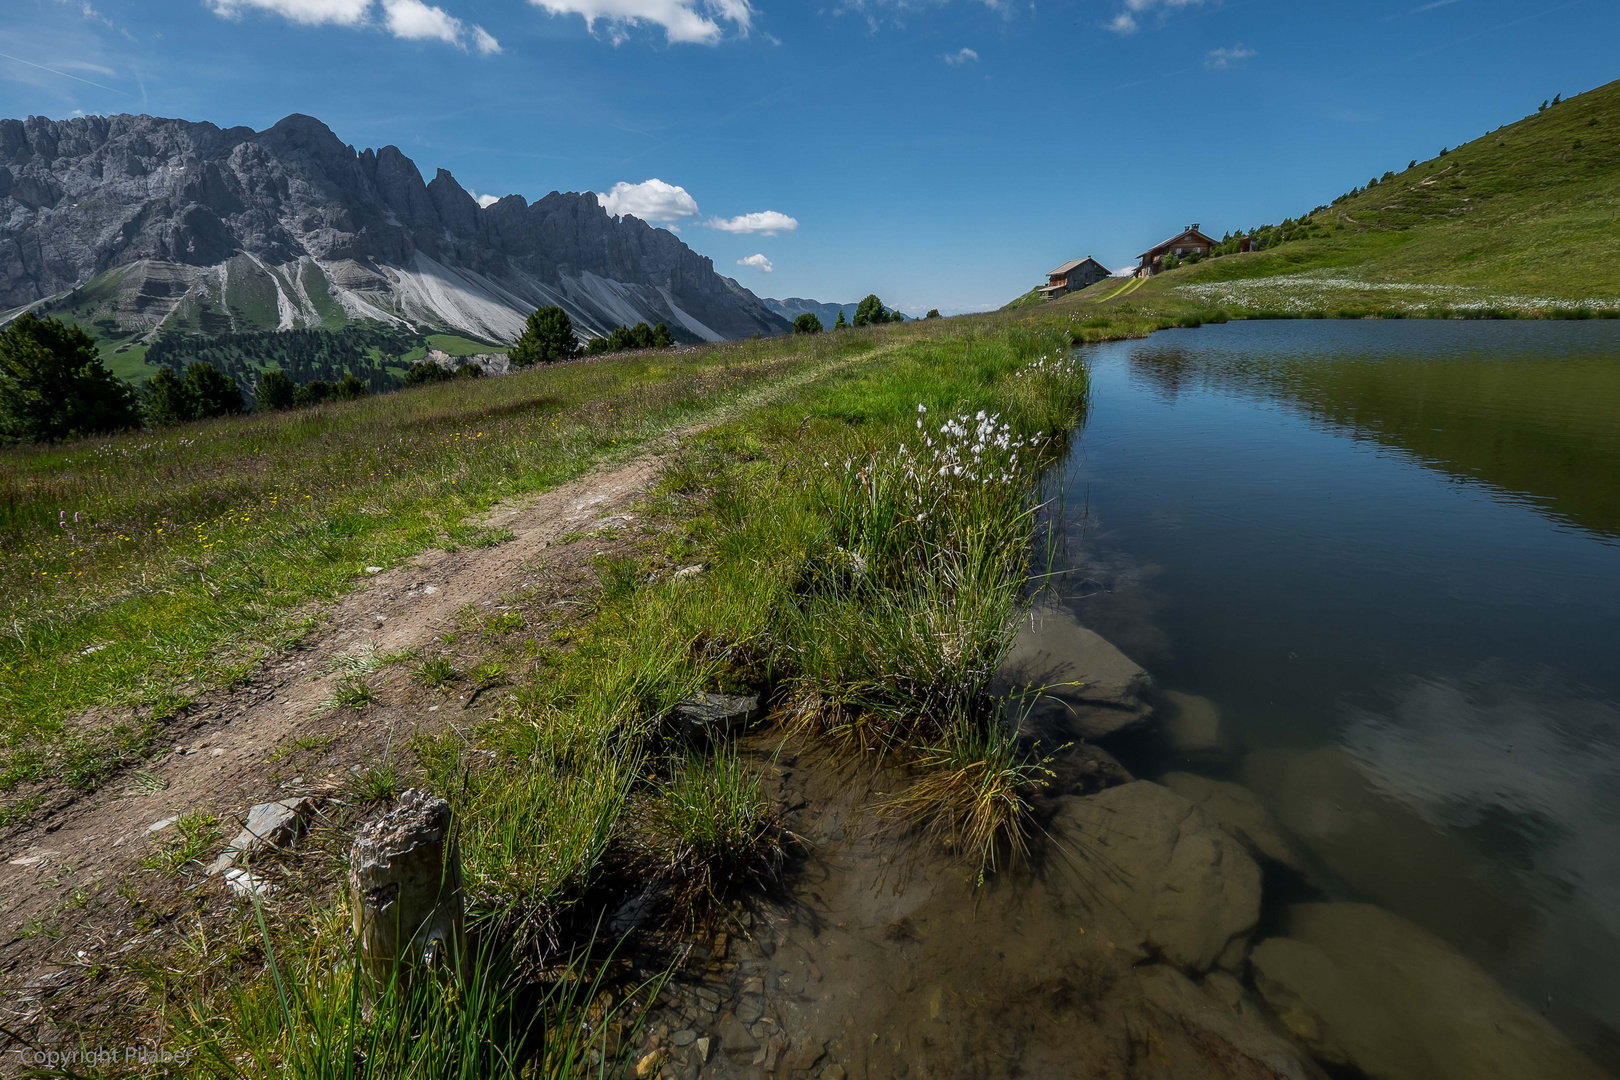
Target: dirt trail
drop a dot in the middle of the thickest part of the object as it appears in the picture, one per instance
(59, 872)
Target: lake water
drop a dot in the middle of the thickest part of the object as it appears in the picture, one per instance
(1389, 553)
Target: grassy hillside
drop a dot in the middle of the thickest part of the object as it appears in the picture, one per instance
(1525, 219)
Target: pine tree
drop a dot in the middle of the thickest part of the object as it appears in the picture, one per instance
(549, 336)
(870, 310)
(211, 393)
(840, 324)
(662, 338)
(53, 385)
(276, 391)
(808, 323)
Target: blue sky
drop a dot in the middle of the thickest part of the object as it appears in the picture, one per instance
(941, 153)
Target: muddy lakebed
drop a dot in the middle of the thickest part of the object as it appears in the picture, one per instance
(1341, 796)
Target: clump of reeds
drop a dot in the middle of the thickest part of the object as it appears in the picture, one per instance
(711, 831)
(972, 792)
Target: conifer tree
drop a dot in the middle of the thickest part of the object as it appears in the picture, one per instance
(549, 336)
(53, 385)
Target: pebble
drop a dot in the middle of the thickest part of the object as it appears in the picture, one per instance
(684, 1037)
(702, 1047)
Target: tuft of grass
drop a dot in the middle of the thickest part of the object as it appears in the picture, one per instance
(194, 834)
(437, 671)
(620, 577)
(506, 622)
(352, 692)
(380, 783)
(314, 1014)
(972, 793)
(711, 832)
(488, 673)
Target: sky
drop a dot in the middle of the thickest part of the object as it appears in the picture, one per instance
(940, 153)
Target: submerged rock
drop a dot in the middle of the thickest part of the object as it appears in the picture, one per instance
(1143, 857)
(1363, 987)
(1239, 811)
(1248, 1048)
(1085, 686)
(1191, 724)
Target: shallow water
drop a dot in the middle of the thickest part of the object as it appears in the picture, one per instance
(1389, 554)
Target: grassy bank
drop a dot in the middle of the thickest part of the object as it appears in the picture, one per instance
(861, 505)
(1521, 222)
(141, 570)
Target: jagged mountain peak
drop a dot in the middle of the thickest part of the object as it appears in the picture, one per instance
(180, 224)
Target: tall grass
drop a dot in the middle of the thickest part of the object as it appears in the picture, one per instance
(316, 1015)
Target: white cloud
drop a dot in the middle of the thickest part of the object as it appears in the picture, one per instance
(694, 22)
(962, 56)
(650, 200)
(486, 201)
(307, 12)
(1125, 22)
(769, 222)
(416, 21)
(1221, 59)
(410, 20)
(758, 262)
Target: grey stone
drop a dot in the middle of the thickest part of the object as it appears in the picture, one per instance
(750, 1008)
(1191, 724)
(269, 825)
(715, 715)
(1083, 683)
(684, 1037)
(702, 1048)
(172, 207)
(1169, 879)
(1361, 986)
(1239, 811)
(1170, 992)
(735, 1037)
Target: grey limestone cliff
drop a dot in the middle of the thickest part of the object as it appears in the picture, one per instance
(141, 222)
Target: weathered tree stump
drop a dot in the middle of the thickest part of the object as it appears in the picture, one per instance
(405, 876)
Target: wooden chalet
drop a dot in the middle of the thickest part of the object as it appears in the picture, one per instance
(1180, 245)
(1073, 276)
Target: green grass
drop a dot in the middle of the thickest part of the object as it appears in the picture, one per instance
(139, 570)
(194, 834)
(1520, 221)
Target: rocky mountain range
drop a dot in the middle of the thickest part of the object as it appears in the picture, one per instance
(132, 224)
(794, 306)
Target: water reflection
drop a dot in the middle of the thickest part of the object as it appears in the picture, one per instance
(1386, 553)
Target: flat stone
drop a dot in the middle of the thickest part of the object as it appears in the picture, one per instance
(1239, 811)
(161, 824)
(1149, 861)
(684, 1037)
(1191, 724)
(269, 825)
(1362, 987)
(734, 1036)
(716, 715)
(1086, 686)
(750, 1008)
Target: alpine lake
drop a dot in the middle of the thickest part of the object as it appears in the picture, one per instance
(1329, 643)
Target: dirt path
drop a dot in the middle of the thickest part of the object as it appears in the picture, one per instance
(62, 907)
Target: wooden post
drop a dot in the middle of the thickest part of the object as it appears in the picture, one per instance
(405, 877)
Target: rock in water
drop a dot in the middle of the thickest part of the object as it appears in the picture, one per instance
(1246, 1046)
(1363, 987)
(1191, 724)
(1239, 811)
(1091, 689)
(1144, 858)
(405, 877)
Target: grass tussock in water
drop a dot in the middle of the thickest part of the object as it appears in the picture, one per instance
(710, 831)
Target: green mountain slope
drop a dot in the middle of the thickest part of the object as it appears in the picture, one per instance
(1525, 218)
